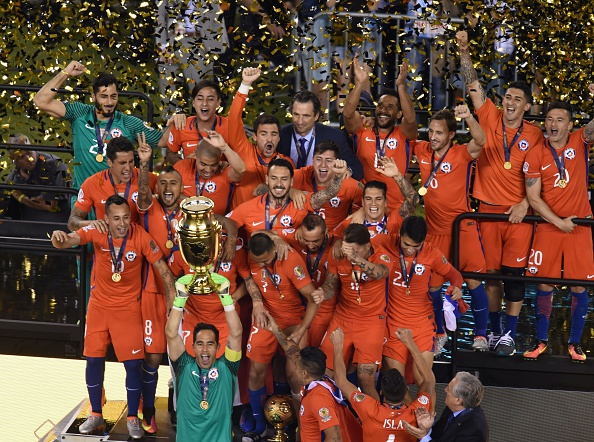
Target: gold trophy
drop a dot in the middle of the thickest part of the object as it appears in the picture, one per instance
(200, 242)
(279, 411)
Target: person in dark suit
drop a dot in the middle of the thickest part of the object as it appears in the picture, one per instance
(463, 420)
(299, 138)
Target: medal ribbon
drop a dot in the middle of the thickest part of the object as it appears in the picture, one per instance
(435, 167)
(169, 218)
(380, 149)
(204, 381)
(407, 276)
(128, 184)
(116, 260)
(199, 185)
(101, 139)
(269, 223)
(507, 149)
(381, 224)
(312, 269)
(214, 125)
(559, 160)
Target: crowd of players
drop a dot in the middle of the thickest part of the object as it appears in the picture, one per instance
(324, 260)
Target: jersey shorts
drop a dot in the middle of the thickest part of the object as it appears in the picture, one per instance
(120, 327)
(317, 329)
(154, 318)
(504, 243)
(262, 344)
(471, 253)
(423, 335)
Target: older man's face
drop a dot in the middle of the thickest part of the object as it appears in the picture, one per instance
(452, 402)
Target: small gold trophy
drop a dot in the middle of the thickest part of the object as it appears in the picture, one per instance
(279, 411)
(200, 242)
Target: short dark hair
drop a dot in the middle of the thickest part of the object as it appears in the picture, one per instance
(265, 119)
(169, 169)
(561, 105)
(103, 80)
(393, 386)
(306, 96)
(312, 220)
(116, 200)
(392, 92)
(204, 84)
(118, 144)
(281, 162)
(447, 116)
(313, 360)
(325, 146)
(259, 244)
(415, 227)
(524, 87)
(204, 326)
(375, 184)
(357, 233)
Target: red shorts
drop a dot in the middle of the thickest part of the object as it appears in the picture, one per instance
(423, 335)
(363, 340)
(554, 250)
(122, 328)
(154, 318)
(317, 328)
(504, 243)
(190, 321)
(471, 257)
(262, 345)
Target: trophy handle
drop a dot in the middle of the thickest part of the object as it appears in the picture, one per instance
(202, 284)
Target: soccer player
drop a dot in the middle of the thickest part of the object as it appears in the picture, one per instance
(205, 175)
(445, 176)
(204, 384)
(499, 185)
(383, 420)
(557, 188)
(386, 138)
(361, 306)
(114, 313)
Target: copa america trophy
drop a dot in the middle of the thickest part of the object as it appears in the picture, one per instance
(200, 242)
(279, 411)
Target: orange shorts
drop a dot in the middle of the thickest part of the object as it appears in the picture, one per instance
(190, 321)
(423, 335)
(504, 243)
(318, 327)
(554, 250)
(154, 318)
(363, 340)
(472, 256)
(122, 328)
(263, 346)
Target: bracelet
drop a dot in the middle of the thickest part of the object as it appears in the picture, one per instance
(20, 198)
(65, 73)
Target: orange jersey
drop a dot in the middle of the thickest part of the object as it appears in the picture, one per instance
(384, 423)
(279, 284)
(389, 225)
(252, 215)
(97, 188)
(121, 294)
(573, 199)
(397, 146)
(493, 183)
(447, 193)
(186, 139)
(338, 208)
(360, 296)
(319, 411)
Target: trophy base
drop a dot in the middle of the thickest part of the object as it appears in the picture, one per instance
(280, 436)
(202, 285)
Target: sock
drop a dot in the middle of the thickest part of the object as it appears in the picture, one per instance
(495, 319)
(150, 376)
(94, 377)
(353, 378)
(579, 309)
(480, 310)
(133, 385)
(257, 402)
(543, 305)
(510, 325)
(281, 388)
(437, 301)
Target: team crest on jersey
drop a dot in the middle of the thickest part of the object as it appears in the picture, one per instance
(445, 167)
(423, 400)
(288, 231)
(116, 133)
(523, 145)
(302, 410)
(210, 186)
(153, 245)
(526, 167)
(81, 196)
(299, 273)
(286, 221)
(276, 278)
(335, 202)
(148, 341)
(135, 196)
(570, 153)
(532, 270)
(226, 266)
(385, 258)
(359, 397)
(364, 277)
(130, 256)
(444, 259)
(170, 137)
(419, 269)
(391, 143)
(213, 374)
(324, 414)
(249, 347)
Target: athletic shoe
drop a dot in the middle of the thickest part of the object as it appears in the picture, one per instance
(254, 437)
(134, 429)
(576, 352)
(140, 412)
(247, 423)
(440, 341)
(480, 344)
(150, 428)
(492, 339)
(536, 351)
(94, 422)
(506, 345)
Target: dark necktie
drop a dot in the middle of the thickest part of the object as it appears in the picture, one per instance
(302, 160)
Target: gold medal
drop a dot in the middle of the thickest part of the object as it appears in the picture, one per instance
(422, 191)
(99, 158)
(562, 184)
(507, 165)
(116, 277)
(169, 244)
(359, 300)
(204, 405)
(408, 291)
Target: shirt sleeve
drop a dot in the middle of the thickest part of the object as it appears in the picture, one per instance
(325, 410)
(232, 359)
(84, 200)
(180, 363)
(150, 249)
(295, 267)
(137, 126)
(173, 142)
(75, 110)
(362, 404)
(532, 164)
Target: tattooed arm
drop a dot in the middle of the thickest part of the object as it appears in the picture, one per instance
(376, 271)
(168, 281)
(230, 228)
(259, 318)
(330, 285)
(77, 220)
(321, 197)
(291, 349)
(533, 193)
(475, 90)
(388, 167)
(145, 194)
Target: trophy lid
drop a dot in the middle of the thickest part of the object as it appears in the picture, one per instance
(197, 204)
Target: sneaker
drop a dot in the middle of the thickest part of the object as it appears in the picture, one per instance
(505, 345)
(150, 428)
(536, 351)
(94, 422)
(140, 412)
(134, 429)
(480, 344)
(440, 341)
(576, 352)
(247, 423)
(253, 437)
(492, 339)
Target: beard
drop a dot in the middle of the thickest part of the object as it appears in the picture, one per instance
(103, 112)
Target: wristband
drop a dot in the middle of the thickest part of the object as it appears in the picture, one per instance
(244, 89)
(180, 302)
(179, 309)
(226, 299)
(65, 73)
(20, 198)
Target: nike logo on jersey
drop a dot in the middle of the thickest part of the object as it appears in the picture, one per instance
(545, 167)
(187, 187)
(343, 274)
(136, 351)
(424, 162)
(257, 223)
(103, 201)
(590, 276)
(191, 144)
(369, 139)
(195, 374)
(520, 259)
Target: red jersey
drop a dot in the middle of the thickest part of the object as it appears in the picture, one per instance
(279, 284)
(493, 183)
(394, 145)
(338, 208)
(252, 215)
(384, 423)
(360, 296)
(389, 225)
(447, 194)
(320, 410)
(540, 163)
(139, 244)
(98, 187)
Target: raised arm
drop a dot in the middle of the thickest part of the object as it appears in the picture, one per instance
(235, 161)
(168, 281)
(337, 338)
(409, 118)
(589, 129)
(533, 189)
(352, 118)
(45, 99)
(388, 167)
(175, 343)
(475, 90)
(145, 194)
(475, 146)
(321, 197)
(233, 321)
(375, 271)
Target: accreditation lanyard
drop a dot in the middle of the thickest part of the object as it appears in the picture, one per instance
(117, 260)
(128, 184)
(269, 223)
(309, 146)
(214, 125)
(380, 148)
(311, 269)
(407, 276)
(199, 185)
(101, 139)
(271, 277)
(559, 161)
(507, 149)
(434, 168)
(379, 227)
